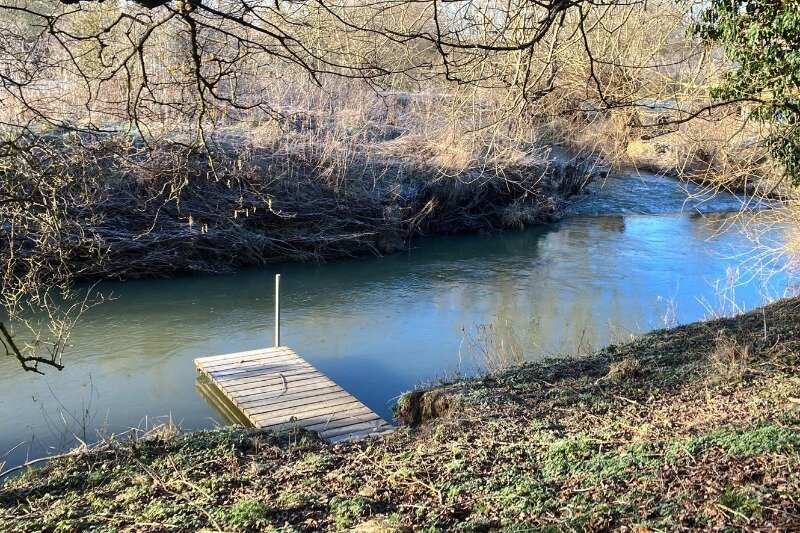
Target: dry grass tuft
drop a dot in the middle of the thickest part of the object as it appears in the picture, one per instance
(729, 361)
(624, 370)
(420, 406)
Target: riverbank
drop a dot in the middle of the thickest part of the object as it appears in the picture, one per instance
(696, 427)
(250, 198)
(312, 187)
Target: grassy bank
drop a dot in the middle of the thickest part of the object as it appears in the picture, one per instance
(696, 427)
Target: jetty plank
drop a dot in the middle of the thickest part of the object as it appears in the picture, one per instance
(276, 389)
(312, 420)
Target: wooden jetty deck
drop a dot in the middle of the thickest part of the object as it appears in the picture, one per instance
(275, 388)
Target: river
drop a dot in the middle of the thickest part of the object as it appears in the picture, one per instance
(634, 254)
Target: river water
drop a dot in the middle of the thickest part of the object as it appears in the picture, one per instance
(636, 253)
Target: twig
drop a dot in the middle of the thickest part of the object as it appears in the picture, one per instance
(32, 462)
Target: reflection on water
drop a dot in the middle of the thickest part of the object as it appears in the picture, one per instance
(376, 326)
(224, 409)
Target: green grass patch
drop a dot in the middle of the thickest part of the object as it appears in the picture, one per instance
(247, 515)
(345, 512)
(755, 440)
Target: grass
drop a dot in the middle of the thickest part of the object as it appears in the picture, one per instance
(591, 443)
(246, 515)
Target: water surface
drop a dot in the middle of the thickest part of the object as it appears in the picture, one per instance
(633, 255)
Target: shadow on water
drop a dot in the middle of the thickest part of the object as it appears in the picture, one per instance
(226, 411)
(375, 378)
(378, 326)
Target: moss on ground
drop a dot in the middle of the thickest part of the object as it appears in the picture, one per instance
(575, 444)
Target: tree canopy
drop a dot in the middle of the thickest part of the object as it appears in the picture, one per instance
(761, 39)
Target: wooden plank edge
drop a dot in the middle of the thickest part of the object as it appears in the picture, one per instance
(222, 389)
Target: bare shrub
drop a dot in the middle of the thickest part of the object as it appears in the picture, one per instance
(491, 348)
(725, 303)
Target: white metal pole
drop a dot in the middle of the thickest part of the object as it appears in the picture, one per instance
(277, 310)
